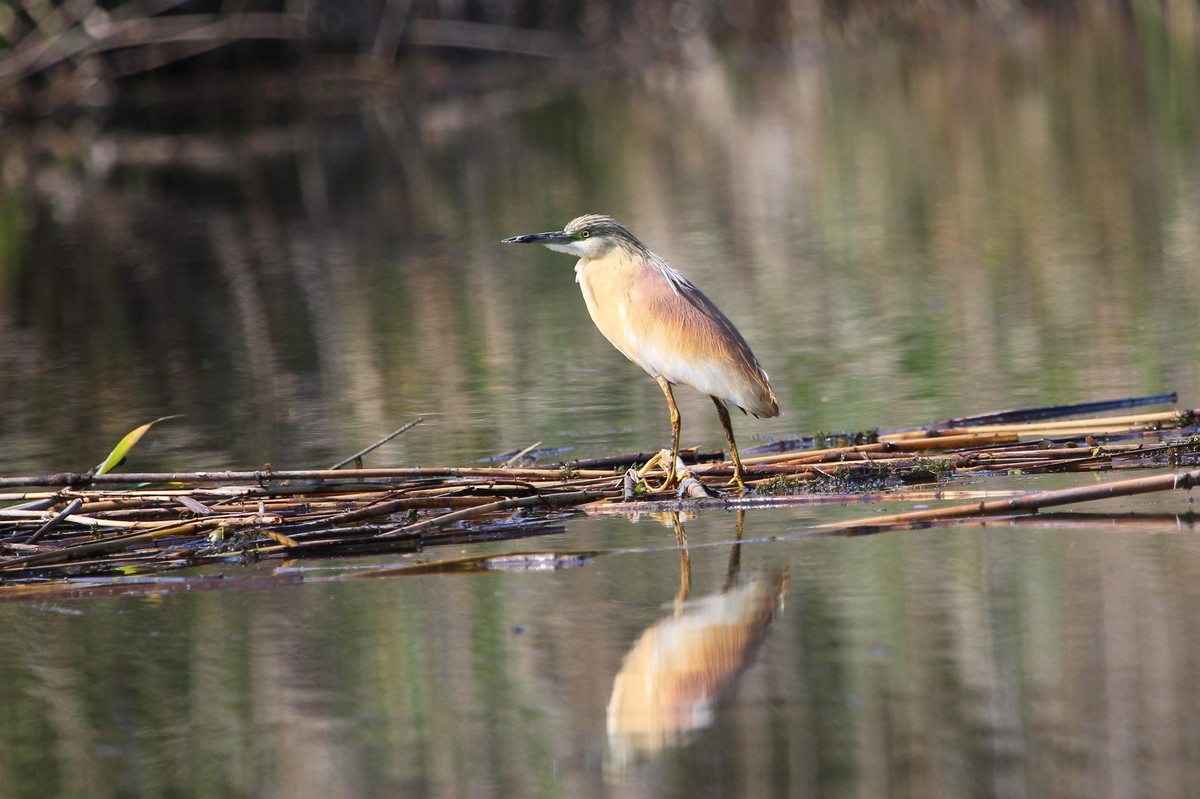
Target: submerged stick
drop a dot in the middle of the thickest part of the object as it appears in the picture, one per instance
(1030, 502)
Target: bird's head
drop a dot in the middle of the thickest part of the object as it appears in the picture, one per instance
(587, 236)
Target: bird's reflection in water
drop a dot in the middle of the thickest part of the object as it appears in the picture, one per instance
(680, 668)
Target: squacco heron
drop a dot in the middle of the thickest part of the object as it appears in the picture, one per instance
(663, 323)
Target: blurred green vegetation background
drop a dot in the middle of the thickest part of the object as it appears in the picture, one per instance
(281, 220)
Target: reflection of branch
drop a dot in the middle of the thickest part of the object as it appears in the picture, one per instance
(390, 30)
(81, 30)
(483, 36)
(93, 38)
(1149, 522)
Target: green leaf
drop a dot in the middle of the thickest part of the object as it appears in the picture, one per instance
(127, 443)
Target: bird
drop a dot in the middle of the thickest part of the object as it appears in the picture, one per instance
(658, 319)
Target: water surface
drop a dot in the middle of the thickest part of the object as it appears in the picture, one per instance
(1048, 659)
(903, 234)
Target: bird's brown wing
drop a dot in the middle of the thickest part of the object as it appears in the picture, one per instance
(687, 340)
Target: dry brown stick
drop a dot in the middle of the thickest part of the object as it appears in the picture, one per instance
(124, 542)
(1108, 422)
(28, 496)
(378, 443)
(1062, 465)
(62, 515)
(27, 516)
(547, 500)
(1030, 502)
(265, 475)
(466, 503)
(1124, 450)
(384, 509)
(515, 459)
(855, 464)
(319, 511)
(930, 443)
(813, 455)
(493, 484)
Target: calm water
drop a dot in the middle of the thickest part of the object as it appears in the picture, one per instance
(903, 234)
(1055, 659)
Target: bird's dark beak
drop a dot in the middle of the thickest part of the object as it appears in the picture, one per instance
(557, 237)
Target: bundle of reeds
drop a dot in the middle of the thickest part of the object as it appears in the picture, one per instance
(76, 524)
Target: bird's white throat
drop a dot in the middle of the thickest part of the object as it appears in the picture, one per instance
(574, 248)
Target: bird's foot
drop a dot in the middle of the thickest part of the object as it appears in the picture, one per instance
(660, 474)
(660, 467)
(738, 483)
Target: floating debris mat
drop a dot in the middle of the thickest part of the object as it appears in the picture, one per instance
(73, 525)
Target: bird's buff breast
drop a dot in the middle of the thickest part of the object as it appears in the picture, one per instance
(607, 293)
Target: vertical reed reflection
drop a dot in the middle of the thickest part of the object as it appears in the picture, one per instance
(1054, 660)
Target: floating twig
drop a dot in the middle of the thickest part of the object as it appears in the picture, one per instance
(358, 455)
(515, 459)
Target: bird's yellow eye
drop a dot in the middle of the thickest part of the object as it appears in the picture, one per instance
(583, 234)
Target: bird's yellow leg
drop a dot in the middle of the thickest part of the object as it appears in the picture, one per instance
(675, 424)
(739, 474)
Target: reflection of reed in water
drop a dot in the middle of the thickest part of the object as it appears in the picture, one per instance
(317, 281)
(672, 678)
